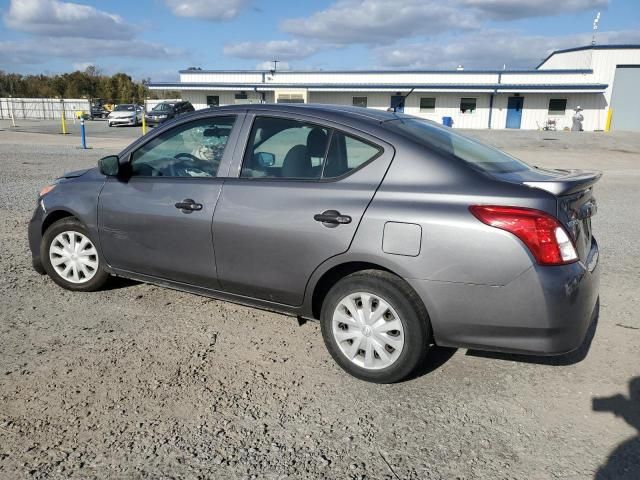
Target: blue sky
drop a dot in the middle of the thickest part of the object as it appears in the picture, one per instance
(156, 38)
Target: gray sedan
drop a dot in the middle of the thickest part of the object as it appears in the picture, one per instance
(394, 232)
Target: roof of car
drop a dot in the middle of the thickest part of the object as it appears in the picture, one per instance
(344, 112)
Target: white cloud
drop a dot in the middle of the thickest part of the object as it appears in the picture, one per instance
(207, 9)
(490, 49)
(512, 9)
(268, 65)
(272, 50)
(89, 50)
(53, 17)
(82, 66)
(380, 21)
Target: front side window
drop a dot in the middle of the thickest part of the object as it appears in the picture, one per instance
(557, 106)
(427, 104)
(283, 148)
(194, 149)
(360, 102)
(467, 105)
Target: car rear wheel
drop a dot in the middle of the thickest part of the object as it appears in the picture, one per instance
(71, 258)
(375, 326)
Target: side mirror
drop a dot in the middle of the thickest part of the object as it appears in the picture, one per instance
(109, 166)
(265, 159)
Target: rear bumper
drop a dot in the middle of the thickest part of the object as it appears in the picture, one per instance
(545, 311)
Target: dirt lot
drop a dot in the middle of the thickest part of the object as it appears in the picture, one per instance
(142, 382)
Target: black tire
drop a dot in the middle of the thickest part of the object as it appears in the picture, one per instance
(63, 225)
(409, 307)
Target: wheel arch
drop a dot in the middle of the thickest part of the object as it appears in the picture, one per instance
(54, 216)
(333, 275)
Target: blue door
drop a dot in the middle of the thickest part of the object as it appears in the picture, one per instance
(397, 103)
(514, 111)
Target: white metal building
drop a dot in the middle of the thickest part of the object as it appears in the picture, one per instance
(598, 78)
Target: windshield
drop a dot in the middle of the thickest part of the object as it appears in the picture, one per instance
(471, 151)
(125, 108)
(162, 107)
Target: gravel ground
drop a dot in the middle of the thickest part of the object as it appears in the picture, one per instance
(143, 382)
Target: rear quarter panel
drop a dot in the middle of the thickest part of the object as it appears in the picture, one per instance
(435, 192)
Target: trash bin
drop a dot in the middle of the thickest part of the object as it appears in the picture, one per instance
(447, 121)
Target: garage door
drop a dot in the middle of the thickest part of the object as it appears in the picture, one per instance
(625, 99)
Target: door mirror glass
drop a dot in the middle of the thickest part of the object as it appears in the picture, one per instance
(265, 159)
(109, 165)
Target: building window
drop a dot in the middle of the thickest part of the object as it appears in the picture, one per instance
(467, 105)
(241, 98)
(290, 98)
(213, 101)
(360, 102)
(557, 106)
(427, 104)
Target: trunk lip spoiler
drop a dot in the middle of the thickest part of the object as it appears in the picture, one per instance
(574, 181)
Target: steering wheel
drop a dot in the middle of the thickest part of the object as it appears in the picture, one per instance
(178, 156)
(188, 161)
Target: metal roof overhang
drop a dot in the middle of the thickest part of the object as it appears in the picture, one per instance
(470, 88)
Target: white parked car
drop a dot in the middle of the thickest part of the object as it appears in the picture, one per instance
(125, 114)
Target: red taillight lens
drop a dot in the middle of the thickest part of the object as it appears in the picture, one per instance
(542, 233)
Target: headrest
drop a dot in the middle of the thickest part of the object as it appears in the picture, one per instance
(317, 142)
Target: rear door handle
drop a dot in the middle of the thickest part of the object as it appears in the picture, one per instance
(332, 218)
(188, 206)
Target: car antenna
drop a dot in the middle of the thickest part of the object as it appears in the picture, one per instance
(402, 99)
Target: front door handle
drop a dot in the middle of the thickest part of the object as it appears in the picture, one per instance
(188, 206)
(332, 218)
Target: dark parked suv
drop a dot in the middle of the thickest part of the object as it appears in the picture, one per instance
(166, 111)
(392, 231)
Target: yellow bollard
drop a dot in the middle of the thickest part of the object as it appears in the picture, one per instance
(64, 124)
(144, 124)
(607, 127)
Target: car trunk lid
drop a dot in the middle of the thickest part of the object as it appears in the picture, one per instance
(576, 203)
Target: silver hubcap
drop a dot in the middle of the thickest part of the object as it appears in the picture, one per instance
(73, 257)
(368, 330)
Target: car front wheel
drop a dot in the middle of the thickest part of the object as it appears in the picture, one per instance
(71, 258)
(375, 326)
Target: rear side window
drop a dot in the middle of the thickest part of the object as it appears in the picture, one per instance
(283, 148)
(291, 149)
(477, 154)
(346, 154)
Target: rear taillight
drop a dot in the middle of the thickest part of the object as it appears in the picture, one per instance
(542, 233)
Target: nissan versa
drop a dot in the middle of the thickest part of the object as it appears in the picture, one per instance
(394, 232)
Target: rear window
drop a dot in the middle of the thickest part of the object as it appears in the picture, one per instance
(476, 154)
